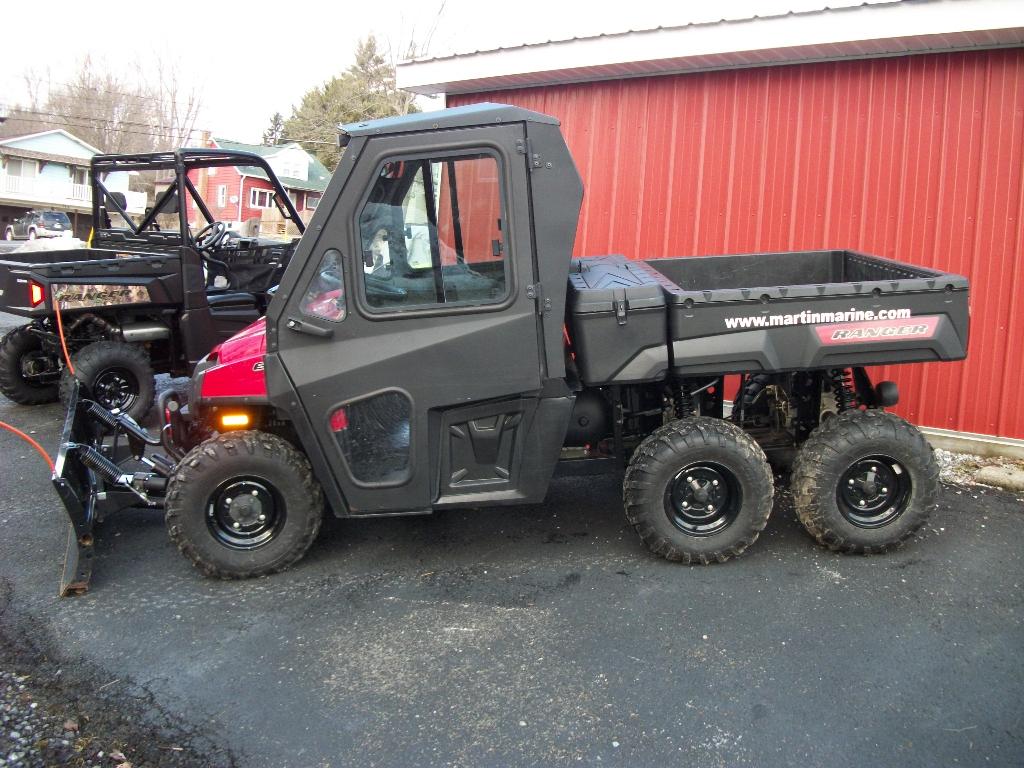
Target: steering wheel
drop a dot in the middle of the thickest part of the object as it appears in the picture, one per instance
(206, 240)
(210, 236)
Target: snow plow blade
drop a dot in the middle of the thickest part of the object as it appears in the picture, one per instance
(91, 481)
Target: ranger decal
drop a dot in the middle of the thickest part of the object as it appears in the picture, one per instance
(854, 333)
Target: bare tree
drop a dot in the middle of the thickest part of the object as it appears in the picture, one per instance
(417, 45)
(177, 106)
(112, 112)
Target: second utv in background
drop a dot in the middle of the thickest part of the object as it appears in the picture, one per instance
(145, 297)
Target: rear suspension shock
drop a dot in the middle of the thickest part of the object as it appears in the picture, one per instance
(684, 401)
(842, 389)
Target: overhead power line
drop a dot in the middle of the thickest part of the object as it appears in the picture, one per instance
(112, 129)
(100, 121)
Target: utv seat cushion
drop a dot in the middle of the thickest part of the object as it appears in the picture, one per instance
(233, 299)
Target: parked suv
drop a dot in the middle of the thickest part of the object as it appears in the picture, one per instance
(39, 224)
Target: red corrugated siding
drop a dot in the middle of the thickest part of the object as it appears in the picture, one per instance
(918, 158)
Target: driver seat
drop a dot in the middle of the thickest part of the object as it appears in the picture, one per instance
(233, 300)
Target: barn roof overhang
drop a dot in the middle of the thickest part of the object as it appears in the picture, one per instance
(841, 30)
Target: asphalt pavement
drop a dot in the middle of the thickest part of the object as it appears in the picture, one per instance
(540, 635)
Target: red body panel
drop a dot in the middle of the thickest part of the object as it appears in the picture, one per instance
(918, 158)
(238, 372)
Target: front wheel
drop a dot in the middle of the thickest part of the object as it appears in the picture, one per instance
(243, 504)
(116, 375)
(8, 234)
(864, 482)
(31, 234)
(698, 490)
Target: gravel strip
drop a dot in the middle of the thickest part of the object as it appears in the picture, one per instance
(59, 711)
(961, 468)
(35, 735)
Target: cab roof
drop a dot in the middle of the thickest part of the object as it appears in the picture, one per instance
(486, 113)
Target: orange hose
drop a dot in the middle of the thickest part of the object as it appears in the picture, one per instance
(60, 331)
(30, 441)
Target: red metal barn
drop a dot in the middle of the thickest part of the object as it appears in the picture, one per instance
(916, 157)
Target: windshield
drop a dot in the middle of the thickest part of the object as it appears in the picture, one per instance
(55, 217)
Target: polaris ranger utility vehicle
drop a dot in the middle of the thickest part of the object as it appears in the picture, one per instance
(148, 296)
(433, 345)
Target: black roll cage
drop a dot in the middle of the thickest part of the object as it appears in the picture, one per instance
(181, 161)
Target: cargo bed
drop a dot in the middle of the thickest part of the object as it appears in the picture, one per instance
(102, 277)
(634, 320)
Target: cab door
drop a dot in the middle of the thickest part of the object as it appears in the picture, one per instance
(408, 345)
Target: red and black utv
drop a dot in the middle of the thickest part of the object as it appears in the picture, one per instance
(434, 345)
(152, 296)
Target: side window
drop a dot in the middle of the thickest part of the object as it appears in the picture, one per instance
(433, 234)
(325, 297)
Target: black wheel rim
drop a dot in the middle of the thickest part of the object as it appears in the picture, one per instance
(703, 498)
(874, 491)
(245, 513)
(116, 388)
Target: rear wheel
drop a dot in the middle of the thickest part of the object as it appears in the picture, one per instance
(28, 374)
(31, 234)
(116, 375)
(243, 504)
(698, 490)
(864, 482)
(9, 234)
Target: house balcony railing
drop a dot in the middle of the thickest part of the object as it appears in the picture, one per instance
(40, 191)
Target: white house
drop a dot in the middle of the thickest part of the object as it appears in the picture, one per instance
(50, 170)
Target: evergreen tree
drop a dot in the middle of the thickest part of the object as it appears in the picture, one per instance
(272, 136)
(366, 90)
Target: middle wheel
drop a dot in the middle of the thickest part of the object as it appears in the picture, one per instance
(116, 374)
(698, 490)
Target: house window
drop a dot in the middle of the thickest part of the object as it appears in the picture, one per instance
(311, 201)
(28, 169)
(292, 168)
(79, 176)
(222, 195)
(261, 198)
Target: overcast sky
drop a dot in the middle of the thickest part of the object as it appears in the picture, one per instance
(254, 58)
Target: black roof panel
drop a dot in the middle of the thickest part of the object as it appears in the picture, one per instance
(485, 113)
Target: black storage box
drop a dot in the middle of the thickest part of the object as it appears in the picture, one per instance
(617, 320)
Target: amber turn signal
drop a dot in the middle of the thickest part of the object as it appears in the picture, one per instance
(234, 420)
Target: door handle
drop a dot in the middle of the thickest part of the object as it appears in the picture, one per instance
(313, 330)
